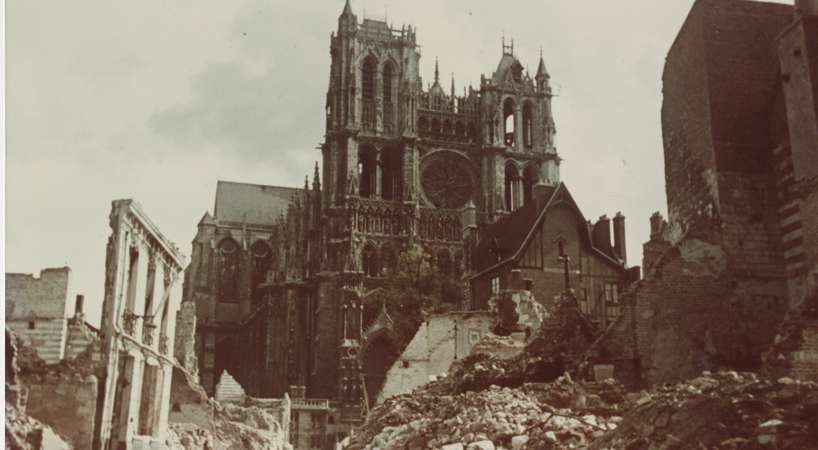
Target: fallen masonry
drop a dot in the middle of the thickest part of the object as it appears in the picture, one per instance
(721, 410)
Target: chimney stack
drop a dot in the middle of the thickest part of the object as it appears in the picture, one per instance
(78, 304)
(619, 237)
(602, 234)
(656, 225)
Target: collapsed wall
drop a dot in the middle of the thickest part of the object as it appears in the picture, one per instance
(440, 340)
(691, 314)
(46, 392)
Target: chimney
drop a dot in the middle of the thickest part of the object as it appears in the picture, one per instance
(806, 7)
(78, 304)
(656, 225)
(602, 234)
(619, 236)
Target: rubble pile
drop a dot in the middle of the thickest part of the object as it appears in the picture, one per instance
(501, 346)
(531, 416)
(726, 410)
(26, 433)
(229, 426)
(233, 427)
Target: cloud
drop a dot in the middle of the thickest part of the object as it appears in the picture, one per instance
(260, 101)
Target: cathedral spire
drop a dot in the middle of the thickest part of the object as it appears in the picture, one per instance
(437, 73)
(316, 183)
(452, 84)
(347, 9)
(542, 73)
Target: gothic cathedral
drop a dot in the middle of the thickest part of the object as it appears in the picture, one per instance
(278, 274)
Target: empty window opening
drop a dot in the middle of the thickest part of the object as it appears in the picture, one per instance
(367, 172)
(388, 107)
(392, 169)
(509, 121)
(527, 125)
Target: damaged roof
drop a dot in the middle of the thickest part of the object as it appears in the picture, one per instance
(255, 204)
(505, 240)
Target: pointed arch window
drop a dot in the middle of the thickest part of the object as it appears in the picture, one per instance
(369, 261)
(388, 105)
(528, 112)
(262, 260)
(228, 271)
(513, 187)
(368, 92)
(509, 121)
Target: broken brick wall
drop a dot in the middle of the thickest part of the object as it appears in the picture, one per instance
(716, 137)
(36, 310)
(184, 346)
(79, 338)
(692, 315)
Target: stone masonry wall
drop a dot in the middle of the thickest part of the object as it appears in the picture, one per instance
(66, 403)
(36, 310)
(80, 336)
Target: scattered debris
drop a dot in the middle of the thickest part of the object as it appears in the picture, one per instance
(26, 433)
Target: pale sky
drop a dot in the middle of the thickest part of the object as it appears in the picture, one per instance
(156, 101)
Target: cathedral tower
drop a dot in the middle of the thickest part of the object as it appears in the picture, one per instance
(368, 151)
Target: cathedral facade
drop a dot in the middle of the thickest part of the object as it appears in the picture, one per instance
(278, 274)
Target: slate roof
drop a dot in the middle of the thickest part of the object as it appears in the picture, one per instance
(254, 204)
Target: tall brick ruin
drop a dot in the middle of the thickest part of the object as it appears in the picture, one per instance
(738, 251)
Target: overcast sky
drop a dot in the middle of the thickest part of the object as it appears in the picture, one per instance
(157, 100)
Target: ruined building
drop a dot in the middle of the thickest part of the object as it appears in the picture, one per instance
(36, 310)
(739, 250)
(278, 274)
(142, 292)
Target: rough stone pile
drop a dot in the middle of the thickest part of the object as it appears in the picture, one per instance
(722, 410)
(534, 415)
(26, 433)
(726, 410)
(233, 427)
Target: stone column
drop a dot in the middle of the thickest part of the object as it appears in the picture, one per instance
(518, 126)
(378, 172)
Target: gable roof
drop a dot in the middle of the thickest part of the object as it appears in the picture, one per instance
(255, 204)
(509, 236)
